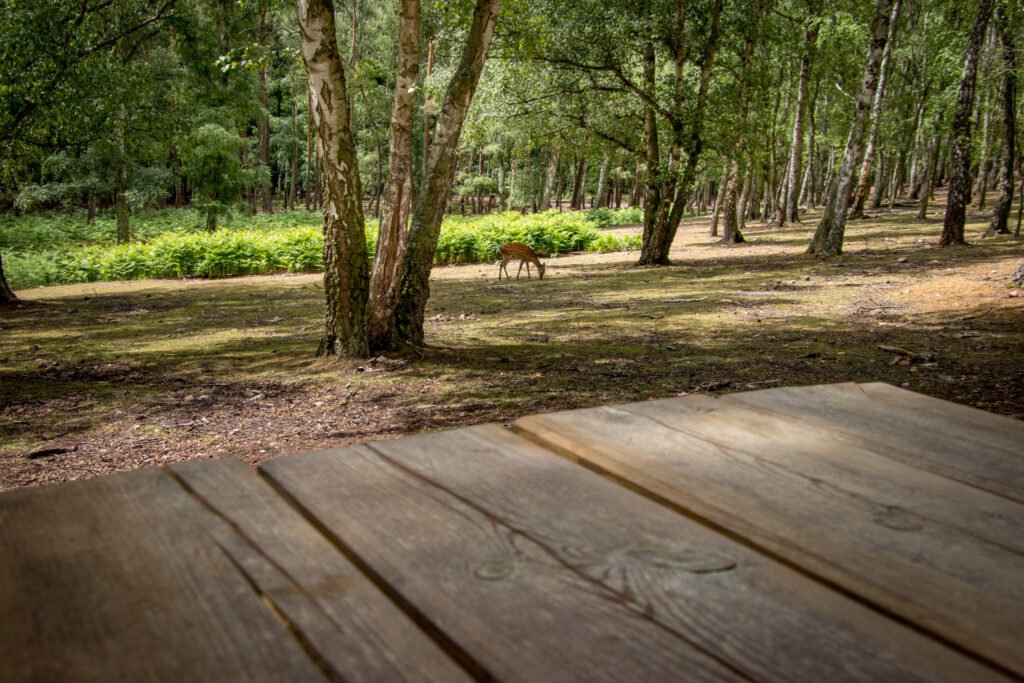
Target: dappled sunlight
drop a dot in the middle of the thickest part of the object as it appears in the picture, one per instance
(165, 370)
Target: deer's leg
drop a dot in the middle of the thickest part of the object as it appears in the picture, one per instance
(520, 271)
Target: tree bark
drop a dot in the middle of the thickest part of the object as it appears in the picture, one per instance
(310, 160)
(426, 114)
(654, 185)
(960, 180)
(984, 166)
(263, 128)
(828, 238)
(688, 140)
(346, 266)
(6, 293)
(549, 181)
(864, 182)
(1001, 211)
(928, 174)
(796, 146)
(717, 211)
(602, 183)
(731, 233)
(294, 160)
(432, 198)
(397, 199)
(579, 185)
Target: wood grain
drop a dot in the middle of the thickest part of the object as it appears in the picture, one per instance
(125, 578)
(537, 569)
(942, 555)
(922, 431)
(352, 627)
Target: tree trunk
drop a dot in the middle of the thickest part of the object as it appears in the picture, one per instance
(549, 181)
(717, 211)
(635, 196)
(984, 166)
(426, 114)
(346, 266)
(796, 147)
(6, 293)
(731, 233)
(1001, 211)
(743, 207)
(432, 198)
(397, 200)
(602, 182)
(263, 128)
(928, 175)
(579, 185)
(654, 185)
(310, 161)
(959, 179)
(828, 238)
(881, 180)
(693, 142)
(864, 182)
(293, 183)
(121, 210)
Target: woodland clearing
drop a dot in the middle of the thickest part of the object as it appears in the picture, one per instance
(111, 376)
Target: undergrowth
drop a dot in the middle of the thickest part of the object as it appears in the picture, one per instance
(42, 251)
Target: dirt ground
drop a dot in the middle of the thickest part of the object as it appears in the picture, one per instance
(104, 377)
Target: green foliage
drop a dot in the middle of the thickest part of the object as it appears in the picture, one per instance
(606, 217)
(470, 240)
(282, 242)
(212, 161)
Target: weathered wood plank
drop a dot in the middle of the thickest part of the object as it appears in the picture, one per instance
(538, 569)
(355, 630)
(942, 555)
(922, 431)
(125, 578)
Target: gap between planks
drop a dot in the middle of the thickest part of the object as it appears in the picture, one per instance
(717, 527)
(293, 629)
(472, 667)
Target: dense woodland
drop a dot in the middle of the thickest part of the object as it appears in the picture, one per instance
(750, 110)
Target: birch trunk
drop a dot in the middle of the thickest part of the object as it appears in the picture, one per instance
(549, 181)
(692, 141)
(731, 233)
(796, 146)
(602, 182)
(984, 166)
(433, 195)
(398, 191)
(828, 238)
(346, 266)
(959, 180)
(1001, 211)
(864, 182)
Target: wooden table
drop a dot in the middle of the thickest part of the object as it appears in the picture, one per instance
(828, 533)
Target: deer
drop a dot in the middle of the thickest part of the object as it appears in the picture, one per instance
(517, 250)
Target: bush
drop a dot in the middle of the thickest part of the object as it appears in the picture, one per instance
(605, 217)
(282, 242)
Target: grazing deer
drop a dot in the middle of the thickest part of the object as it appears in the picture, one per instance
(515, 250)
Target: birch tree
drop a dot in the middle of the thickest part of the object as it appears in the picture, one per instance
(828, 238)
(959, 179)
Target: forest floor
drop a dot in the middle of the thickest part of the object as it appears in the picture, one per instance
(105, 377)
